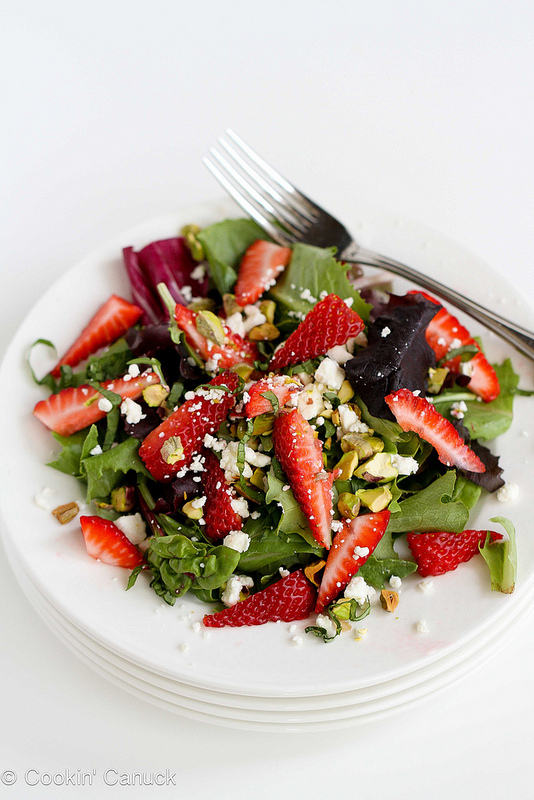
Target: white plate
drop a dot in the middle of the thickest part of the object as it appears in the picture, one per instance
(249, 661)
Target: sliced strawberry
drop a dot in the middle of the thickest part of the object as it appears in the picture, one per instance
(106, 542)
(187, 426)
(436, 553)
(417, 414)
(219, 516)
(259, 268)
(342, 563)
(75, 408)
(445, 333)
(110, 322)
(329, 323)
(287, 600)
(301, 457)
(280, 385)
(235, 349)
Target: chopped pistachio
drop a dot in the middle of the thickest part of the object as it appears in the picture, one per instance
(65, 512)
(389, 600)
(268, 308)
(258, 479)
(264, 333)
(312, 569)
(357, 443)
(377, 469)
(263, 423)
(202, 304)
(243, 369)
(172, 450)
(230, 305)
(347, 464)
(123, 498)
(191, 512)
(155, 395)
(348, 505)
(346, 392)
(436, 378)
(375, 499)
(209, 325)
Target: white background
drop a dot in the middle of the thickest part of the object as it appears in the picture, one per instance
(424, 108)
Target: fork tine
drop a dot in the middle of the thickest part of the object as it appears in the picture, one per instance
(300, 202)
(264, 222)
(299, 223)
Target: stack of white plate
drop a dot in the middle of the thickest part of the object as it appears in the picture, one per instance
(272, 677)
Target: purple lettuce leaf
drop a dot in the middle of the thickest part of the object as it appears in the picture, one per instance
(491, 479)
(397, 355)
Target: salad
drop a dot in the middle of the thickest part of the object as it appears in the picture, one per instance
(262, 428)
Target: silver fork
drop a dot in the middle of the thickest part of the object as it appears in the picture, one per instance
(288, 216)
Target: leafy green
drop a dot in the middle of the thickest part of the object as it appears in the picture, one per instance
(224, 243)
(315, 269)
(431, 509)
(179, 565)
(69, 457)
(103, 472)
(292, 520)
(384, 563)
(501, 558)
(344, 609)
(270, 549)
(384, 427)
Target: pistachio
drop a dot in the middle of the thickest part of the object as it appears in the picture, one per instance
(266, 332)
(202, 304)
(263, 423)
(155, 395)
(375, 499)
(312, 569)
(389, 600)
(123, 498)
(346, 392)
(347, 464)
(357, 443)
(191, 512)
(436, 378)
(209, 325)
(243, 369)
(377, 469)
(348, 505)
(190, 232)
(230, 305)
(268, 309)
(65, 512)
(258, 479)
(172, 450)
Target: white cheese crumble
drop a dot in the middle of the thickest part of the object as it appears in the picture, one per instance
(507, 493)
(42, 499)
(385, 331)
(105, 405)
(133, 526)
(421, 626)
(310, 402)
(237, 540)
(96, 450)
(395, 582)
(458, 410)
(240, 506)
(323, 621)
(405, 465)
(357, 589)
(339, 354)
(234, 585)
(134, 370)
(235, 323)
(330, 373)
(425, 585)
(350, 421)
(132, 411)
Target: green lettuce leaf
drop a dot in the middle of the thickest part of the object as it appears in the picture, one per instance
(292, 519)
(69, 458)
(103, 472)
(315, 269)
(501, 558)
(224, 243)
(432, 509)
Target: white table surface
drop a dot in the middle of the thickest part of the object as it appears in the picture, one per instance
(107, 107)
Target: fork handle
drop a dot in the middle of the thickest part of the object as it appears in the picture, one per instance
(520, 338)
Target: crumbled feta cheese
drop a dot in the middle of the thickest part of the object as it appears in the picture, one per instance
(199, 502)
(466, 368)
(183, 647)
(330, 373)
(360, 552)
(385, 331)
(254, 317)
(255, 515)
(105, 405)
(133, 526)
(256, 459)
(425, 585)
(42, 499)
(234, 585)
(132, 411)
(360, 633)
(405, 465)
(96, 451)
(199, 273)
(508, 493)
(421, 626)
(455, 344)
(297, 640)
(395, 582)
(357, 589)
(283, 572)
(323, 621)
(307, 295)
(134, 370)
(336, 525)
(237, 540)
(339, 354)
(212, 443)
(235, 323)
(310, 402)
(240, 506)
(350, 421)
(458, 410)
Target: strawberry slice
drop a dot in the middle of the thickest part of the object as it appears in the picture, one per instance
(417, 414)
(343, 562)
(301, 457)
(110, 322)
(106, 542)
(329, 323)
(259, 268)
(280, 385)
(235, 349)
(75, 408)
(436, 553)
(287, 600)
(445, 333)
(172, 445)
(219, 516)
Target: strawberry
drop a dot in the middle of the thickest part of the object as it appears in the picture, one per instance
(259, 268)
(445, 333)
(280, 385)
(342, 563)
(187, 427)
(329, 323)
(301, 457)
(417, 414)
(219, 516)
(287, 600)
(436, 553)
(75, 408)
(106, 542)
(235, 349)
(110, 322)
